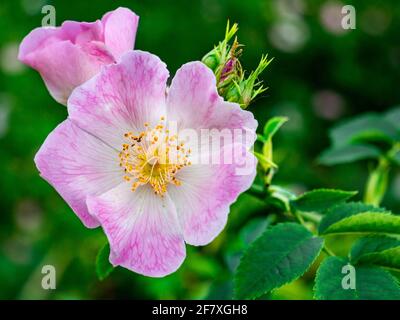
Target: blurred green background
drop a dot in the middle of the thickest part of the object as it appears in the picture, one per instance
(321, 74)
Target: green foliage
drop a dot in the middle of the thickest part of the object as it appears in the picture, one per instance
(396, 158)
(247, 234)
(264, 161)
(393, 116)
(345, 210)
(272, 127)
(348, 153)
(378, 250)
(364, 129)
(265, 158)
(274, 250)
(280, 255)
(321, 199)
(377, 183)
(371, 283)
(359, 218)
(368, 136)
(254, 228)
(103, 265)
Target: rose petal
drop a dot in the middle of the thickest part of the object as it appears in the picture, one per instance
(142, 229)
(64, 66)
(35, 40)
(120, 28)
(77, 164)
(122, 98)
(207, 191)
(81, 32)
(69, 55)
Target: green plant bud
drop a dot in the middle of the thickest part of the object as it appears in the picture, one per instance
(233, 93)
(211, 60)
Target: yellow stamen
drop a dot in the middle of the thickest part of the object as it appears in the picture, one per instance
(153, 157)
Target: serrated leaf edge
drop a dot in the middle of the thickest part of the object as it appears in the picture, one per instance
(342, 221)
(253, 297)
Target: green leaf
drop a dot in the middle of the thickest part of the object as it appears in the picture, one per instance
(348, 153)
(345, 210)
(359, 218)
(321, 199)
(378, 250)
(371, 283)
(220, 290)
(250, 232)
(377, 183)
(369, 127)
(367, 222)
(103, 265)
(280, 255)
(393, 116)
(254, 228)
(264, 161)
(272, 126)
(261, 138)
(396, 158)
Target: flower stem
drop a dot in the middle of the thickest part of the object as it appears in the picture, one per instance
(378, 178)
(377, 183)
(311, 216)
(328, 251)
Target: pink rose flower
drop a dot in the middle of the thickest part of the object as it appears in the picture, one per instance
(69, 55)
(110, 160)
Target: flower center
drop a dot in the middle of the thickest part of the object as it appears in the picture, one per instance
(153, 157)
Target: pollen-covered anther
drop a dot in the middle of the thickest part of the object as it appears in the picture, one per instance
(153, 156)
